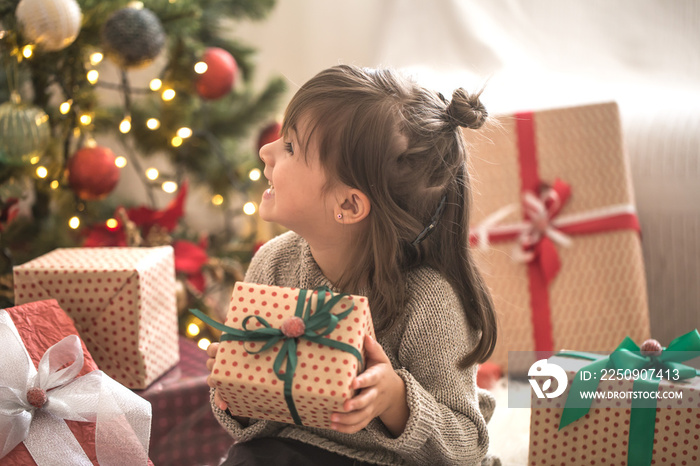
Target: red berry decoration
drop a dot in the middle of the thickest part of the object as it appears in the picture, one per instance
(92, 173)
(36, 397)
(651, 347)
(293, 327)
(220, 76)
(269, 134)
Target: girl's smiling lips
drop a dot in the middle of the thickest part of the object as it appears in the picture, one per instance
(269, 193)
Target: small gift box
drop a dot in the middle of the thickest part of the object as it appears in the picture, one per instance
(290, 355)
(636, 407)
(122, 301)
(56, 407)
(555, 233)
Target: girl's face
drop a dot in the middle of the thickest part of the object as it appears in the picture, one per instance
(296, 198)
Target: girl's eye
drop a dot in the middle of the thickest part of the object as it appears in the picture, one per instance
(288, 147)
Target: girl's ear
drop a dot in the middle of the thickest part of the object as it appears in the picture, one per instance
(354, 207)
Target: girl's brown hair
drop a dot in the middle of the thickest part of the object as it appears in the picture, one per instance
(401, 145)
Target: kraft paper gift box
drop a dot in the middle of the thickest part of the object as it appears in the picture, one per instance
(54, 433)
(614, 430)
(253, 371)
(122, 301)
(555, 233)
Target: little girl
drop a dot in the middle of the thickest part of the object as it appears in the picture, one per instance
(371, 178)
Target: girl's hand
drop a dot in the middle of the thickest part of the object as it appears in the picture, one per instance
(211, 352)
(383, 394)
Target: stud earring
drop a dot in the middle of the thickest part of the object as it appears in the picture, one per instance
(339, 216)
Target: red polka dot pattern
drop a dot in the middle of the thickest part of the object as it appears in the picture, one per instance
(323, 375)
(601, 436)
(122, 301)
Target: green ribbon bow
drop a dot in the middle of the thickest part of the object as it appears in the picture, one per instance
(317, 327)
(628, 356)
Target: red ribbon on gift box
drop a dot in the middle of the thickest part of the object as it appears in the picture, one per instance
(543, 226)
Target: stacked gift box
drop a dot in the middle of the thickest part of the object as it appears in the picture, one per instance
(555, 233)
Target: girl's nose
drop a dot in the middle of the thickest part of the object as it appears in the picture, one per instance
(266, 153)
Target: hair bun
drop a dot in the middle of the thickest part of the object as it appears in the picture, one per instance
(466, 110)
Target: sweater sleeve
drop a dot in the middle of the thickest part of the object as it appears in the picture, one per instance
(445, 424)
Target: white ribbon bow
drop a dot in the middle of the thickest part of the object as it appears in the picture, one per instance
(123, 419)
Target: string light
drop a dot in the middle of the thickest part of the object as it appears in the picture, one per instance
(249, 208)
(64, 108)
(112, 223)
(34, 160)
(96, 58)
(93, 76)
(217, 199)
(85, 119)
(193, 330)
(155, 84)
(153, 123)
(168, 94)
(254, 174)
(176, 141)
(125, 125)
(200, 67)
(27, 51)
(74, 223)
(120, 161)
(169, 187)
(152, 174)
(184, 132)
(204, 343)
(41, 172)
(54, 184)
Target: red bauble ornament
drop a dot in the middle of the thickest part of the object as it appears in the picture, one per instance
(220, 76)
(271, 133)
(92, 173)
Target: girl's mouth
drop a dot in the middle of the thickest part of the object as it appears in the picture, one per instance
(269, 192)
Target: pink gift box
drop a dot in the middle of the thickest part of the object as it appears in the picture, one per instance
(122, 301)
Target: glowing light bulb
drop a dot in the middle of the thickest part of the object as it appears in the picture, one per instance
(176, 141)
(96, 58)
(41, 172)
(125, 125)
(74, 223)
(93, 76)
(184, 132)
(120, 161)
(249, 208)
(155, 84)
(153, 123)
(169, 187)
(152, 174)
(34, 160)
(54, 184)
(200, 67)
(27, 51)
(217, 199)
(112, 223)
(64, 108)
(254, 174)
(193, 330)
(168, 94)
(85, 119)
(204, 343)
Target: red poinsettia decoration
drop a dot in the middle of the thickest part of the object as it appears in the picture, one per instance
(189, 257)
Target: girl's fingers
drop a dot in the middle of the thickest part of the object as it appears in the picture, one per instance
(212, 349)
(220, 403)
(375, 352)
(360, 401)
(368, 378)
(356, 418)
(210, 364)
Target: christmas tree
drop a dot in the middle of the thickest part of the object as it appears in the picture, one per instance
(67, 79)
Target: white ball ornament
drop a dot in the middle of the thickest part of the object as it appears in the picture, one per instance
(51, 24)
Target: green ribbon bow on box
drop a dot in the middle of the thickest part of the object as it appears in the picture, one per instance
(643, 412)
(315, 329)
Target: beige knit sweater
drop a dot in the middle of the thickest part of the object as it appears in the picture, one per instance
(448, 413)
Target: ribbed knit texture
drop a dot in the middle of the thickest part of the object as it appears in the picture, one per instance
(448, 413)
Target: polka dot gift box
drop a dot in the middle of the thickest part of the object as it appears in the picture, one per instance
(635, 419)
(290, 355)
(122, 301)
